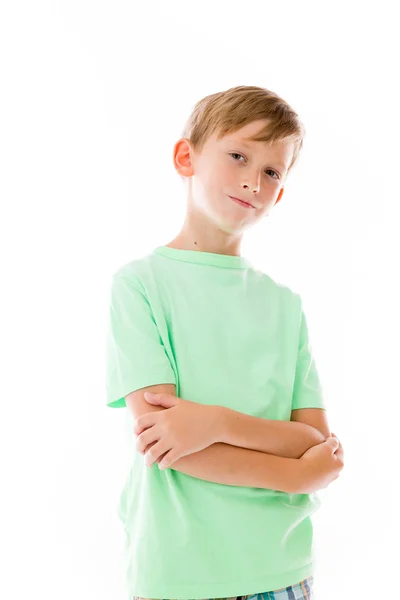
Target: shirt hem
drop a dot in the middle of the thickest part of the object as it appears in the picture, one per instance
(224, 589)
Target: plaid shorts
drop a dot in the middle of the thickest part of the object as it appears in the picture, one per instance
(300, 591)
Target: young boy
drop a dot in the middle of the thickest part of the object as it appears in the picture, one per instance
(240, 423)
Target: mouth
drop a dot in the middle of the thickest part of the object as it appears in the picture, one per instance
(242, 202)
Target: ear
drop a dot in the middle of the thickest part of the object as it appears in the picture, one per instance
(182, 157)
(279, 195)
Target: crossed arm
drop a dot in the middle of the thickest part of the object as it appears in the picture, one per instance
(252, 451)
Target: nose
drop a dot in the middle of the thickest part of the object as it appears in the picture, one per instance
(255, 187)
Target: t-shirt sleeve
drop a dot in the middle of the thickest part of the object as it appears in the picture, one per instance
(307, 391)
(135, 353)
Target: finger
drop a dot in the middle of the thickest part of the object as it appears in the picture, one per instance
(154, 453)
(340, 453)
(165, 400)
(150, 446)
(145, 421)
(159, 459)
(334, 442)
(144, 439)
(169, 459)
(153, 398)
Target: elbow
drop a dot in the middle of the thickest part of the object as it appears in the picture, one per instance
(314, 438)
(319, 436)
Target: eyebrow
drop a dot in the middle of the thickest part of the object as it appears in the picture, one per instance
(250, 145)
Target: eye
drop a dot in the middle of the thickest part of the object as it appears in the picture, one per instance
(270, 170)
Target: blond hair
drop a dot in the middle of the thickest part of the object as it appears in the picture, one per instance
(227, 111)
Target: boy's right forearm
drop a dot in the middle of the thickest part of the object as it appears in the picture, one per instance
(233, 465)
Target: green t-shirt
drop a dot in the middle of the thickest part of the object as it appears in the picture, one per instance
(224, 333)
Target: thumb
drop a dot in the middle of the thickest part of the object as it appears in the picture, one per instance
(165, 400)
(335, 442)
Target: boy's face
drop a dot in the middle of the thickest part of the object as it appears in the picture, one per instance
(233, 166)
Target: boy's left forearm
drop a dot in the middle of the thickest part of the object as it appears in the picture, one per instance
(289, 439)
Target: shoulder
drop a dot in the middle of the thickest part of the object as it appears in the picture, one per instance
(135, 270)
(283, 292)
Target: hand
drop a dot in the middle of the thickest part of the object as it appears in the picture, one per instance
(321, 465)
(185, 427)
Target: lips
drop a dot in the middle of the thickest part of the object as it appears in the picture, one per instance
(240, 200)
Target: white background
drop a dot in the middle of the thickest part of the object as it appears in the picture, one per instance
(93, 97)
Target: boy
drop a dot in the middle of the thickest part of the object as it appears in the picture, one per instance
(239, 424)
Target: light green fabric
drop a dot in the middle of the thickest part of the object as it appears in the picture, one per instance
(224, 333)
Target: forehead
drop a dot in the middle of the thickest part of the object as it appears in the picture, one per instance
(244, 141)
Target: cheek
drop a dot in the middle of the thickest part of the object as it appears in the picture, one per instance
(221, 179)
(208, 184)
(213, 183)
(226, 171)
